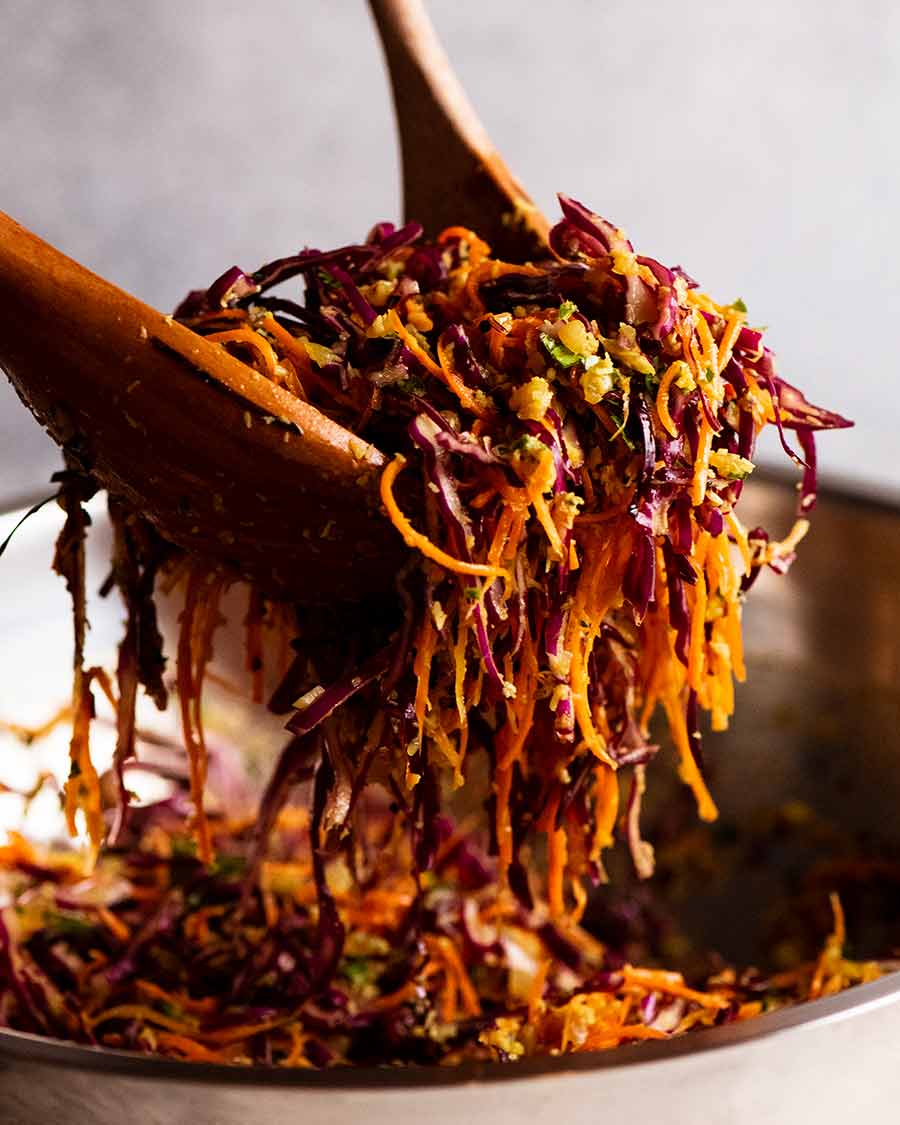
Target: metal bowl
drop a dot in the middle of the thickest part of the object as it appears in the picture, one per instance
(817, 726)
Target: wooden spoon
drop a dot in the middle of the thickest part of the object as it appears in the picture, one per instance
(219, 458)
(452, 174)
(222, 461)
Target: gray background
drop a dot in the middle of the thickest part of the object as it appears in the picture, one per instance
(755, 143)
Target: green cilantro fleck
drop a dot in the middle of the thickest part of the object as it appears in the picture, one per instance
(67, 925)
(357, 970)
(739, 305)
(525, 443)
(620, 422)
(566, 309)
(411, 386)
(559, 352)
(228, 866)
(183, 847)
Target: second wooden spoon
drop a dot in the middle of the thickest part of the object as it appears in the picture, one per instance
(220, 459)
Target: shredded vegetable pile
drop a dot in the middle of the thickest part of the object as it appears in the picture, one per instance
(568, 442)
(154, 951)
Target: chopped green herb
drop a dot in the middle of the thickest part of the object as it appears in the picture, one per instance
(739, 305)
(184, 847)
(620, 421)
(559, 352)
(566, 309)
(525, 444)
(357, 970)
(67, 925)
(228, 866)
(411, 386)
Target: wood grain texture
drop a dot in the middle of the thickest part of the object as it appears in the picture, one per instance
(452, 174)
(220, 459)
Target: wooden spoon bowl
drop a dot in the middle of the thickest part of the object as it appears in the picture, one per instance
(222, 461)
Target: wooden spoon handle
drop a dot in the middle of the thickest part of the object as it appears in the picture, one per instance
(452, 174)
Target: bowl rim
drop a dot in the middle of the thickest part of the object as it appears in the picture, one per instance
(856, 1000)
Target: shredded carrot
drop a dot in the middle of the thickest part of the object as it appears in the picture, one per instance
(839, 933)
(542, 511)
(729, 337)
(684, 329)
(501, 536)
(197, 624)
(697, 653)
(449, 954)
(197, 1007)
(419, 542)
(237, 1034)
(503, 819)
(606, 808)
(188, 1048)
(557, 854)
(735, 639)
(701, 464)
(443, 370)
(270, 909)
(196, 926)
(512, 737)
(690, 774)
(141, 1012)
(447, 372)
(296, 1056)
(115, 925)
(536, 992)
(739, 532)
(710, 353)
(579, 642)
(662, 398)
(478, 248)
(672, 984)
(253, 340)
(749, 1009)
(606, 1040)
